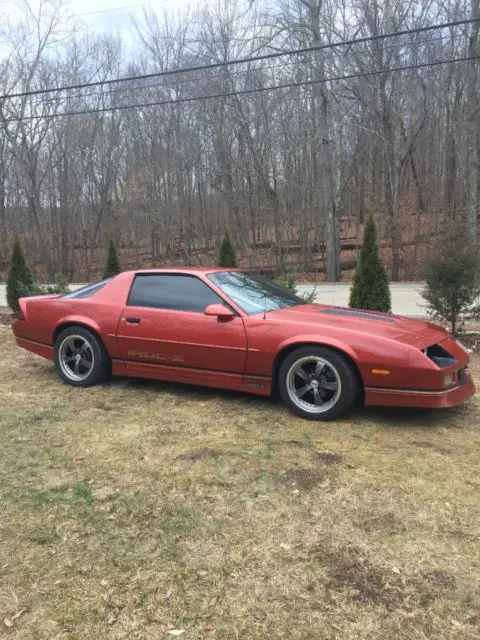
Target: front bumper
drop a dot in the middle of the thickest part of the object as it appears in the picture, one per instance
(444, 399)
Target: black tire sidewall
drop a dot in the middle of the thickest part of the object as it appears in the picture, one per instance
(101, 364)
(346, 370)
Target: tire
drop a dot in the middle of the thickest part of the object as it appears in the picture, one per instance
(80, 357)
(318, 383)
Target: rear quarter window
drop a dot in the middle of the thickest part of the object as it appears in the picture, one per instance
(86, 292)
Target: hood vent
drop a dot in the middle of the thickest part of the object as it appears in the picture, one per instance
(353, 313)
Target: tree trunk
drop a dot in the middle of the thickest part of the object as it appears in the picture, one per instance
(473, 123)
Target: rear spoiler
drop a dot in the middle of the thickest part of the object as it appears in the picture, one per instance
(22, 303)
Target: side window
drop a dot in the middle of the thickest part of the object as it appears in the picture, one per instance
(89, 290)
(169, 291)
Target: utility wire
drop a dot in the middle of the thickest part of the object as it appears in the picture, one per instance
(228, 63)
(239, 73)
(126, 8)
(288, 85)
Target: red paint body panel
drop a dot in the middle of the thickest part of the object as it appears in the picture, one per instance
(183, 338)
(241, 352)
(44, 350)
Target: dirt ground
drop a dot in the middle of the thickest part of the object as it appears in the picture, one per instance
(147, 510)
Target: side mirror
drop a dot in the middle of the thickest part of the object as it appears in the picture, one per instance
(222, 312)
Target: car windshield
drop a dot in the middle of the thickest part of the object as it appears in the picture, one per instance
(254, 293)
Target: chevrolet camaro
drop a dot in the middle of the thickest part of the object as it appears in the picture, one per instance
(234, 330)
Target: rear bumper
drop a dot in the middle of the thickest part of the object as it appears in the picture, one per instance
(420, 399)
(44, 350)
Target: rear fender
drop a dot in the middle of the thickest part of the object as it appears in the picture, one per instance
(106, 330)
(109, 342)
(76, 320)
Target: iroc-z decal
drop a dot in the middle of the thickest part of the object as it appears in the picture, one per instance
(155, 357)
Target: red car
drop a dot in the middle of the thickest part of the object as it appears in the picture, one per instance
(231, 329)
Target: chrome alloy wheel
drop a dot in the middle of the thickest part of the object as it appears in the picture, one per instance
(313, 384)
(75, 357)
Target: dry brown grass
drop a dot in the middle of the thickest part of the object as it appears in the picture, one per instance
(137, 507)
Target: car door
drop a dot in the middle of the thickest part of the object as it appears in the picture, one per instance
(163, 325)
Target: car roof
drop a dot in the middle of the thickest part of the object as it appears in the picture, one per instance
(191, 270)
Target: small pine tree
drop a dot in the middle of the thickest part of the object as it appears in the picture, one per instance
(19, 276)
(452, 280)
(112, 267)
(38, 289)
(287, 281)
(61, 283)
(227, 257)
(370, 288)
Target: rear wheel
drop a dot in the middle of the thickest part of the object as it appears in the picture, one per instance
(318, 383)
(80, 357)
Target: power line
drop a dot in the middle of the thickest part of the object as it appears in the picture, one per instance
(289, 85)
(116, 90)
(126, 8)
(266, 56)
(271, 68)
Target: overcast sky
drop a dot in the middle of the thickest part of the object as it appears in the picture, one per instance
(116, 14)
(105, 15)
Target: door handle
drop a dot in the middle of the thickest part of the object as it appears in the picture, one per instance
(133, 320)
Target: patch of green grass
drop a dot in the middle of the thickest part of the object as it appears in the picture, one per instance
(83, 491)
(43, 537)
(104, 406)
(45, 498)
(179, 518)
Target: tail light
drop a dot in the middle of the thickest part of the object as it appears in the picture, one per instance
(20, 315)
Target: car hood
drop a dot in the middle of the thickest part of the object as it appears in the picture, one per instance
(372, 323)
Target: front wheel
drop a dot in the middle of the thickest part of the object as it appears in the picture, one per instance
(318, 383)
(80, 357)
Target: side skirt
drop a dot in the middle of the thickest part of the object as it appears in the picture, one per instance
(203, 377)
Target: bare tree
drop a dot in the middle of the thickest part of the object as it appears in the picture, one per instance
(289, 171)
(472, 116)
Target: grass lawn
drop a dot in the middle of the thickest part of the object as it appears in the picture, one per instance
(135, 509)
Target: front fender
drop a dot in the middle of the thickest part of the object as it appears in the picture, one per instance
(323, 341)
